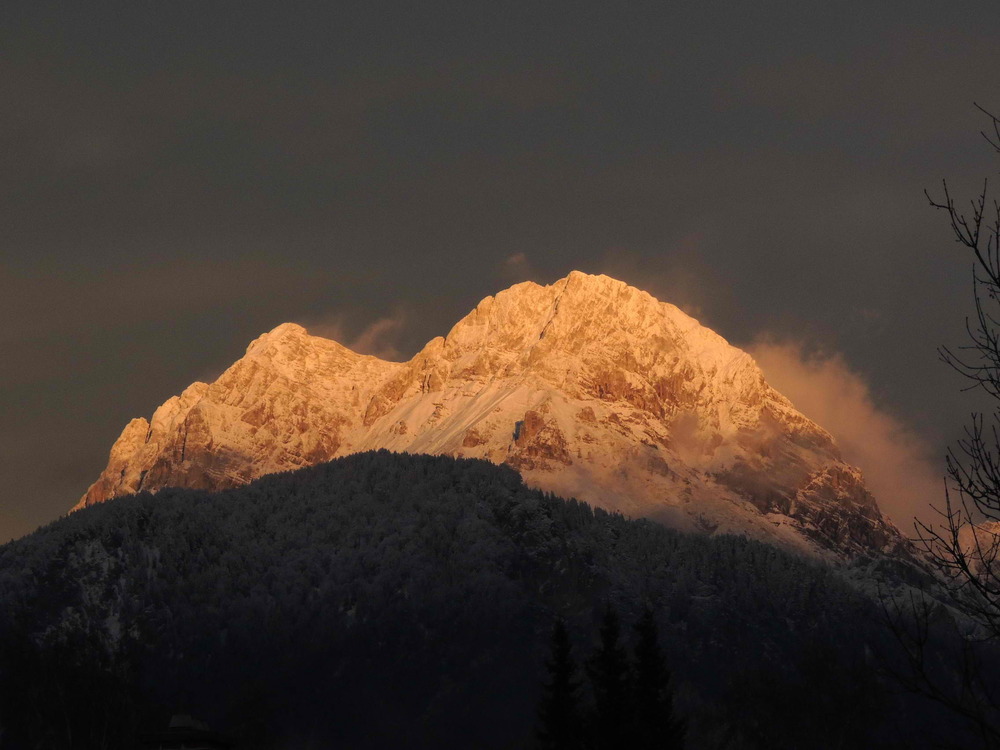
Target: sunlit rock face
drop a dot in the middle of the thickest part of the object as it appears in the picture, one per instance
(588, 387)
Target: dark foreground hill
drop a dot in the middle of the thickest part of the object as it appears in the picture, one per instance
(398, 601)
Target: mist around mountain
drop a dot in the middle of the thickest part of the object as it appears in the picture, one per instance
(406, 601)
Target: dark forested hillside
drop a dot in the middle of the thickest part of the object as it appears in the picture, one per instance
(391, 601)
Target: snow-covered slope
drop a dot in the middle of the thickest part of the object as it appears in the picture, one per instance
(588, 387)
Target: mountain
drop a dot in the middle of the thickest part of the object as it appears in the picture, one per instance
(588, 387)
(405, 601)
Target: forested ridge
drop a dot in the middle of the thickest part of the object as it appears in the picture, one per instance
(391, 600)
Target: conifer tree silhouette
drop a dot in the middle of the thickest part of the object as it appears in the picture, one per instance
(559, 711)
(608, 669)
(655, 725)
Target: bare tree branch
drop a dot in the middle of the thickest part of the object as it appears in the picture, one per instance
(964, 544)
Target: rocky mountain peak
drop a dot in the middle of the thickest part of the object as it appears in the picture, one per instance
(587, 386)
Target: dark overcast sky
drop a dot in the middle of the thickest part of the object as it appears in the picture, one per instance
(178, 177)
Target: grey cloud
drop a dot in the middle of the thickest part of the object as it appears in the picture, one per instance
(180, 178)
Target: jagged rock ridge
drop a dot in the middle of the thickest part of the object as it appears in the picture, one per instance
(588, 387)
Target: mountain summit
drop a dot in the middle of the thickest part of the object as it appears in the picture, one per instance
(588, 387)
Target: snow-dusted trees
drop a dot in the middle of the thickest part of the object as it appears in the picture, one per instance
(385, 600)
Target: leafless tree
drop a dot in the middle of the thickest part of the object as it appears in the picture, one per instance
(945, 655)
(939, 660)
(965, 544)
